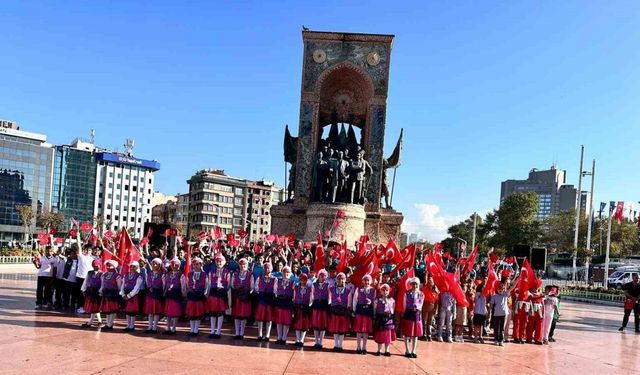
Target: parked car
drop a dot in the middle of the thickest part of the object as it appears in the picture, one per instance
(622, 276)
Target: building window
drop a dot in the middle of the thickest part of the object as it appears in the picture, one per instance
(99, 205)
(118, 187)
(134, 188)
(110, 174)
(238, 201)
(109, 196)
(108, 217)
(133, 209)
(126, 187)
(110, 185)
(119, 175)
(108, 206)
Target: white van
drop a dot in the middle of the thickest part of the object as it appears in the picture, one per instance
(619, 278)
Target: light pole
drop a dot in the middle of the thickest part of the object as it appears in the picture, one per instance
(473, 237)
(465, 245)
(578, 201)
(590, 217)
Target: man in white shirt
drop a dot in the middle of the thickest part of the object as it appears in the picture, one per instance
(84, 266)
(45, 264)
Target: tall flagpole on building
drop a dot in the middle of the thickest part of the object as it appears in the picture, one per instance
(590, 219)
(578, 201)
(606, 256)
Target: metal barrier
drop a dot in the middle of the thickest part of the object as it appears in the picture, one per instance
(15, 259)
(587, 294)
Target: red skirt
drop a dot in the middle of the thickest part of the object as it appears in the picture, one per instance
(216, 306)
(282, 316)
(132, 306)
(109, 305)
(339, 324)
(263, 313)
(411, 328)
(172, 308)
(91, 305)
(363, 324)
(301, 321)
(241, 309)
(386, 336)
(319, 319)
(152, 306)
(195, 310)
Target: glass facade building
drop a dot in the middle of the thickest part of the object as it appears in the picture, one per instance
(74, 184)
(25, 178)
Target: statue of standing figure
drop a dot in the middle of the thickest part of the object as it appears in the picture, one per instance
(359, 170)
(319, 178)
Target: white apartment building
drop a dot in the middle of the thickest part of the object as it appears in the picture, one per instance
(124, 191)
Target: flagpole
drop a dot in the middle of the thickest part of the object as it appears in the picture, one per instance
(473, 237)
(606, 257)
(393, 185)
(578, 203)
(589, 218)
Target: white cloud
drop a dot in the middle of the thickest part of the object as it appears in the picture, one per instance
(427, 220)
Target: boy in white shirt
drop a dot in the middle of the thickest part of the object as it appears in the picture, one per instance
(45, 265)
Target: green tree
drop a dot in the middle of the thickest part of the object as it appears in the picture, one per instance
(624, 239)
(50, 220)
(515, 222)
(464, 230)
(26, 218)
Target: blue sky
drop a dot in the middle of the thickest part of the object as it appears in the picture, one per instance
(485, 90)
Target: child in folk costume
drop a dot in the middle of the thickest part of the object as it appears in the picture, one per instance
(340, 302)
(363, 307)
(412, 317)
(153, 303)
(302, 315)
(283, 289)
(384, 328)
(550, 303)
(320, 308)
(264, 313)
(131, 285)
(174, 282)
(197, 289)
(219, 295)
(91, 289)
(241, 286)
(110, 292)
(534, 324)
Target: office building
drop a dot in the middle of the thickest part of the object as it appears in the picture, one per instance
(231, 203)
(26, 163)
(554, 194)
(74, 181)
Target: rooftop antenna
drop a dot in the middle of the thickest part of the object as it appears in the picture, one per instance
(128, 146)
(93, 136)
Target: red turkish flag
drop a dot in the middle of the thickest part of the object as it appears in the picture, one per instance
(108, 234)
(73, 233)
(392, 254)
(242, 233)
(402, 289)
(53, 231)
(471, 260)
(341, 214)
(86, 227)
(408, 261)
(368, 266)
(619, 211)
(492, 279)
(217, 233)
(187, 263)
(319, 264)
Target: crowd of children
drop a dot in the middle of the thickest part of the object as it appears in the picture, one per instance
(243, 288)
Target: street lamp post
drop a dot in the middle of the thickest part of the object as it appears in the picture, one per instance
(590, 217)
(578, 201)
